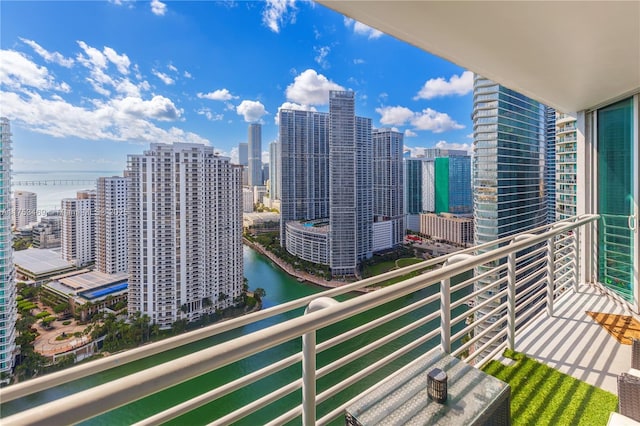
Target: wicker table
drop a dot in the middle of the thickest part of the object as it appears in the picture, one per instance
(474, 398)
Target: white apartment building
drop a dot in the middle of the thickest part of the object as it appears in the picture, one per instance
(247, 200)
(8, 307)
(185, 232)
(78, 228)
(25, 205)
(111, 224)
(566, 166)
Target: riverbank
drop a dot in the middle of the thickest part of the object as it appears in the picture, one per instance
(301, 276)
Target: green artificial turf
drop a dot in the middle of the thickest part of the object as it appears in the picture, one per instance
(541, 395)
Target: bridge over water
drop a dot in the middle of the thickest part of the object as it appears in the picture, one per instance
(53, 182)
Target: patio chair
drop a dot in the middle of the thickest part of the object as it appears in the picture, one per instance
(629, 396)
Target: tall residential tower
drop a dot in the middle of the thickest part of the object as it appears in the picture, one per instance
(255, 154)
(185, 232)
(111, 225)
(25, 205)
(78, 228)
(8, 307)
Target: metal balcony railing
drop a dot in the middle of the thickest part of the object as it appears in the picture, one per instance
(471, 306)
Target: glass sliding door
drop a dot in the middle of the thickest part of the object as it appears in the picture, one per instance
(617, 189)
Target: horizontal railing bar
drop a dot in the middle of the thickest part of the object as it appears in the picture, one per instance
(259, 403)
(342, 385)
(535, 292)
(341, 362)
(531, 254)
(499, 349)
(567, 257)
(336, 340)
(500, 335)
(483, 290)
(531, 312)
(221, 391)
(497, 309)
(146, 382)
(482, 305)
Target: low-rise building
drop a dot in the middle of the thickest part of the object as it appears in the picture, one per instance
(447, 227)
(309, 240)
(39, 265)
(257, 223)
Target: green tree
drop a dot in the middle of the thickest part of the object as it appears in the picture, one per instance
(259, 293)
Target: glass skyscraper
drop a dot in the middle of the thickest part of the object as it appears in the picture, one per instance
(8, 308)
(550, 163)
(255, 154)
(509, 175)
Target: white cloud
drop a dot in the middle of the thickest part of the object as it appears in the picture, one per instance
(470, 135)
(252, 111)
(427, 119)
(321, 56)
(187, 74)
(452, 145)
(158, 8)
(158, 108)
(172, 68)
(164, 77)
(217, 95)
(456, 85)
(235, 155)
(358, 61)
(121, 62)
(16, 71)
(435, 121)
(362, 29)
(276, 12)
(311, 88)
(294, 106)
(410, 134)
(94, 58)
(54, 57)
(396, 115)
(127, 119)
(210, 115)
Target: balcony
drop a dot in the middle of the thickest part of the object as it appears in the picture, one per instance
(535, 305)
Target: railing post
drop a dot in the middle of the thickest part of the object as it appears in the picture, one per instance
(511, 301)
(445, 305)
(309, 364)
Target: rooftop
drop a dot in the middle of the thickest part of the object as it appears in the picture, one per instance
(40, 261)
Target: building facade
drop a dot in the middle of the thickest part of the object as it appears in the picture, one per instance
(25, 208)
(304, 167)
(550, 163)
(566, 166)
(78, 228)
(255, 154)
(185, 232)
(388, 190)
(447, 227)
(47, 233)
(508, 181)
(8, 307)
(350, 185)
(111, 224)
(274, 170)
(243, 153)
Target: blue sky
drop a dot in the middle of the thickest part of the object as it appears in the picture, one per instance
(86, 83)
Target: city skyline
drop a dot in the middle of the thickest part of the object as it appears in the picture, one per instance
(114, 92)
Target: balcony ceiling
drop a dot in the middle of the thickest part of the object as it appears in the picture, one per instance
(569, 55)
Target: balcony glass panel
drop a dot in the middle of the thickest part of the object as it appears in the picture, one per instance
(615, 189)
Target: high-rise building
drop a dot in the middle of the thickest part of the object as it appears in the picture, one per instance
(255, 154)
(350, 185)
(304, 167)
(326, 177)
(8, 307)
(413, 186)
(78, 228)
(448, 184)
(388, 191)
(25, 205)
(111, 225)
(274, 170)
(185, 232)
(508, 181)
(566, 166)
(550, 163)
(243, 153)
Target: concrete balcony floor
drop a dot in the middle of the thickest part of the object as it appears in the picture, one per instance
(574, 343)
